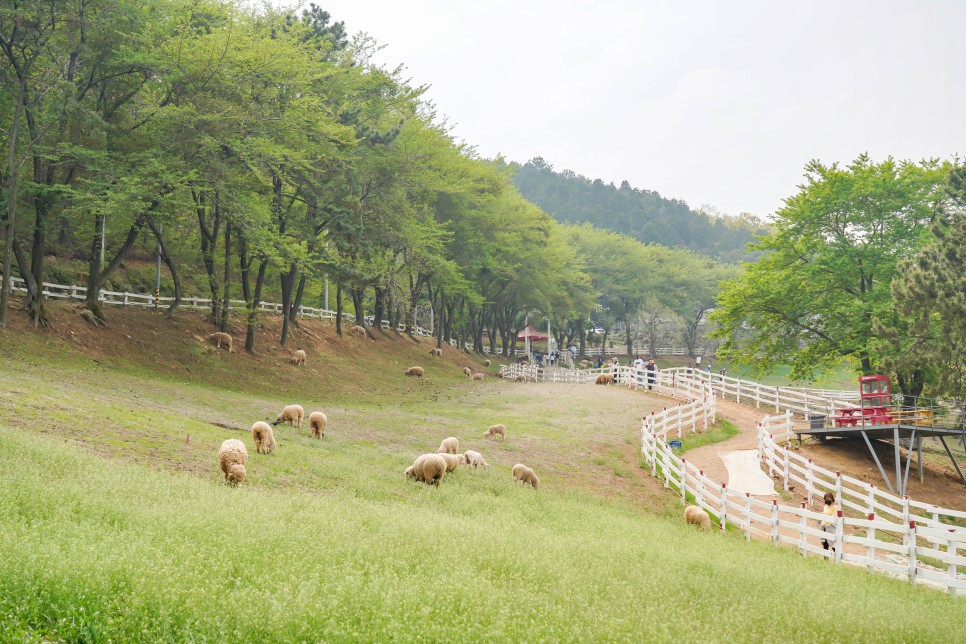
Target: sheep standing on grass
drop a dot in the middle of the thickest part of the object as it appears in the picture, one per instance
(477, 376)
(475, 459)
(449, 446)
(263, 437)
(452, 461)
(523, 473)
(494, 430)
(219, 339)
(428, 468)
(415, 371)
(299, 358)
(359, 331)
(317, 423)
(467, 372)
(293, 415)
(696, 516)
(232, 457)
(487, 363)
(436, 352)
(605, 379)
(520, 378)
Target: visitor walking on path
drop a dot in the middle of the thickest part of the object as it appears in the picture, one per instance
(827, 523)
(651, 374)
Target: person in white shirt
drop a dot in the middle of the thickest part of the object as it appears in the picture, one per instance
(639, 370)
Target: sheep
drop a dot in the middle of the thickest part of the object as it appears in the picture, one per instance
(415, 371)
(475, 459)
(477, 376)
(293, 415)
(219, 339)
(429, 468)
(523, 473)
(449, 446)
(696, 516)
(467, 372)
(494, 430)
(520, 378)
(358, 331)
(232, 457)
(263, 437)
(584, 364)
(299, 357)
(452, 461)
(317, 423)
(487, 363)
(436, 352)
(605, 379)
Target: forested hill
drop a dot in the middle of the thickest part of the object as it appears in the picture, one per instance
(642, 214)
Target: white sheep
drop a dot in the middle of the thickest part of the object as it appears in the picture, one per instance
(293, 415)
(452, 461)
(299, 357)
(429, 468)
(415, 371)
(358, 331)
(219, 339)
(232, 457)
(263, 437)
(477, 376)
(317, 423)
(487, 363)
(467, 372)
(449, 446)
(696, 516)
(494, 430)
(523, 473)
(436, 352)
(475, 459)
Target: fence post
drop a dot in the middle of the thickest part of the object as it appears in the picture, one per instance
(809, 482)
(724, 505)
(870, 551)
(838, 487)
(757, 395)
(912, 552)
(839, 535)
(951, 571)
(776, 400)
(871, 501)
(905, 516)
(684, 481)
(801, 531)
(747, 516)
(774, 520)
(738, 392)
(700, 491)
(785, 473)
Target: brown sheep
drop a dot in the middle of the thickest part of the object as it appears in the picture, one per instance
(696, 516)
(452, 461)
(317, 423)
(487, 363)
(429, 468)
(523, 473)
(477, 376)
(219, 339)
(436, 352)
(467, 372)
(520, 378)
(359, 331)
(415, 371)
(449, 446)
(494, 430)
(263, 437)
(293, 415)
(605, 379)
(299, 357)
(232, 457)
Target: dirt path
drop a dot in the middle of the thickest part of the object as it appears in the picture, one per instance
(706, 458)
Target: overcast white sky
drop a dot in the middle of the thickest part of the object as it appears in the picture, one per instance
(718, 102)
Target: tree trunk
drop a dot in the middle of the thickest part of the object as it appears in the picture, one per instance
(582, 334)
(166, 258)
(357, 296)
(226, 283)
(288, 287)
(209, 244)
(379, 308)
(338, 307)
(13, 189)
(97, 277)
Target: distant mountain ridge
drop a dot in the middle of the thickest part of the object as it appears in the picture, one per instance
(642, 214)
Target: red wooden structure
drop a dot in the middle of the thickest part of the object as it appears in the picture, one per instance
(875, 393)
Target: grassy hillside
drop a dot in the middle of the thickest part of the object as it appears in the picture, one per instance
(121, 528)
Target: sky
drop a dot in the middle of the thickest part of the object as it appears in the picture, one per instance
(716, 102)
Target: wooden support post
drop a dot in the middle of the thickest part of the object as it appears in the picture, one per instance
(951, 570)
(870, 548)
(801, 531)
(774, 520)
(724, 505)
(912, 552)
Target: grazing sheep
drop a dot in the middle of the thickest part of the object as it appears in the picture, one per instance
(605, 379)
(429, 468)
(452, 461)
(523, 473)
(263, 437)
(219, 339)
(467, 372)
(317, 423)
(232, 457)
(696, 516)
(584, 364)
(415, 371)
(436, 352)
(475, 459)
(494, 430)
(487, 363)
(477, 376)
(299, 357)
(293, 415)
(449, 446)
(359, 331)
(520, 378)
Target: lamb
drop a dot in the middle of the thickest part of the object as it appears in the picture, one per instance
(449, 446)
(475, 459)
(523, 473)
(263, 437)
(452, 461)
(429, 468)
(494, 430)
(299, 357)
(317, 423)
(467, 372)
(696, 516)
(232, 457)
(219, 339)
(358, 331)
(293, 415)
(605, 379)
(487, 363)
(477, 376)
(415, 371)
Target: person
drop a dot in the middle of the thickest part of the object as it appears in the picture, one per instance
(616, 367)
(827, 523)
(573, 351)
(651, 374)
(599, 362)
(639, 369)
(689, 369)
(697, 361)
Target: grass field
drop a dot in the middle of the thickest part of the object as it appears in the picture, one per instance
(119, 528)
